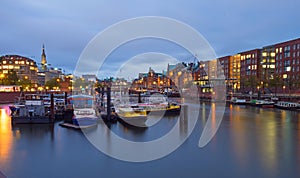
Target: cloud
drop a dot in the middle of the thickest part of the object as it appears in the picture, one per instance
(66, 27)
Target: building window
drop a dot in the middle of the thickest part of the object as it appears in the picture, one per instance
(287, 63)
(287, 51)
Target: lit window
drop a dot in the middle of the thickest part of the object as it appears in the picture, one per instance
(264, 54)
(280, 50)
(4, 62)
(272, 66)
(16, 62)
(5, 71)
(284, 76)
(5, 67)
(273, 54)
(10, 66)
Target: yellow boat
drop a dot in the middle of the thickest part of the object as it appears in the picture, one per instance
(133, 115)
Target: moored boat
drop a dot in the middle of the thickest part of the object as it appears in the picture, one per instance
(133, 115)
(30, 110)
(264, 103)
(237, 101)
(287, 105)
(84, 114)
(161, 108)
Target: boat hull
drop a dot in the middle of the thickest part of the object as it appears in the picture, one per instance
(138, 121)
(265, 105)
(173, 111)
(32, 120)
(287, 108)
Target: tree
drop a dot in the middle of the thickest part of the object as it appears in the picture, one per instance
(291, 83)
(80, 83)
(276, 82)
(251, 82)
(10, 78)
(24, 83)
(53, 83)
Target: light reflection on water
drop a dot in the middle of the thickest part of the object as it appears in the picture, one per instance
(6, 136)
(251, 142)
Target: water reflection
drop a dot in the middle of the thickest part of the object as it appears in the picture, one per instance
(6, 136)
(264, 134)
(251, 142)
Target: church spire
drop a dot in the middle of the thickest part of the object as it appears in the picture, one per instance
(44, 60)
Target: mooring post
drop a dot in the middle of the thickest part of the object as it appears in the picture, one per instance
(139, 97)
(66, 98)
(52, 106)
(108, 92)
(101, 97)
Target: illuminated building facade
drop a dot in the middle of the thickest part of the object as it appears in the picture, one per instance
(250, 69)
(152, 81)
(25, 68)
(287, 57)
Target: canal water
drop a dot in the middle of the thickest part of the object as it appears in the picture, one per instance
(251, 142)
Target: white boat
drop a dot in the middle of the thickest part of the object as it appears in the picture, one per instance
(133, 115)
(84, 109)
(287, 105)
(265, 103)
(235, 100)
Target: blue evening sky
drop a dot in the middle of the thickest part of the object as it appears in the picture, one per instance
(66, 26)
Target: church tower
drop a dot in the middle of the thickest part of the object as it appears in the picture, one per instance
(44, 60)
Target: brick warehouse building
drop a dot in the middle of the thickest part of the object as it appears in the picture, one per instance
(273, 68)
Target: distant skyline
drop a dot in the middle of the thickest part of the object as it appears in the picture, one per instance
(66, 27)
